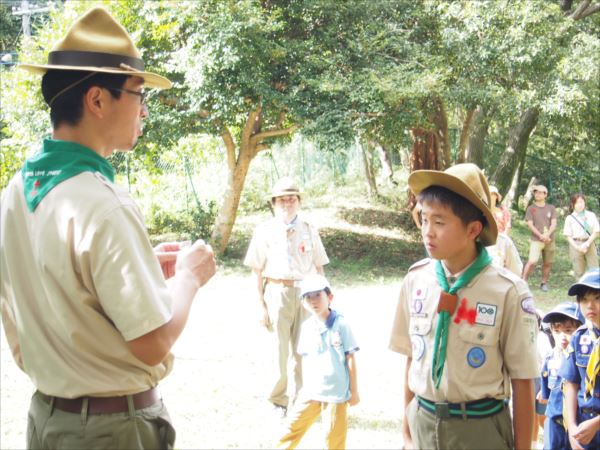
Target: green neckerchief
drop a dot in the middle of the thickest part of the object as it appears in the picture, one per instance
(57, 162)
(443, 322)
(584, 223)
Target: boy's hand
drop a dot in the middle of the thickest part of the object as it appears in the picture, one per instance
(585, 431)
(197, 262)
(265, 319)
(354, 399)
(167, 256)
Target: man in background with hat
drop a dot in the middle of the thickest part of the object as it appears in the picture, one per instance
(86, 309)
(466, 326)
(282, 252)
(541, 220)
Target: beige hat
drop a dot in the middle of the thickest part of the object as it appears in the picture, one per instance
(539, 187)
(285, 186)
(466, 180)
(96, 42)
(494, 190)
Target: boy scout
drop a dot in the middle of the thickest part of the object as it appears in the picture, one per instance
(467, 327)
(581, 370)
(85, 307)
(282, 252)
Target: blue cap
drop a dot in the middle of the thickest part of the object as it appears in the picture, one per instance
(564, 310)
(313, 283)
(590, 279)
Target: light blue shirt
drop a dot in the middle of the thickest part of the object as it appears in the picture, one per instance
(323, 347)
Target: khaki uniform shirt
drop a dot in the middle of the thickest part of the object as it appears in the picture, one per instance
(288, 253)
(79, 278)
(505, 254)
(493, 341)
(575, 229)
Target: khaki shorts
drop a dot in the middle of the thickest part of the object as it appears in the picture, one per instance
(537, 248)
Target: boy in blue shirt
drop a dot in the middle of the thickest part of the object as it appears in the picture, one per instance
(327, 347)
(563, 320)
(581, 370)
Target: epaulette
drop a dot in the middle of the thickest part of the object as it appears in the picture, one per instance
(520, 285)
(420, 263)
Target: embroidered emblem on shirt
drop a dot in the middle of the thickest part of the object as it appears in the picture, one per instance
(417, 308)
(476, 357)
(585, 349)
(464, 313)
(528, 305)
(418, 346)
(35, 186)
(419, 293)
(486, 314)
(585, 339)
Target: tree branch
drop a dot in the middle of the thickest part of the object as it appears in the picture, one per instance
(584, 9)
(249, 127)
(230, 147)
(255, 140)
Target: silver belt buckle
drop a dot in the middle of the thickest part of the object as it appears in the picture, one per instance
(442, 411)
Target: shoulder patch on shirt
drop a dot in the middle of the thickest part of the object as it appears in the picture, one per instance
(528, 305)
(420, 263)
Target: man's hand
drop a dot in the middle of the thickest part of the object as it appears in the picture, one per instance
(198, 262)
(167, 256)
(265, 319)
(354, 399)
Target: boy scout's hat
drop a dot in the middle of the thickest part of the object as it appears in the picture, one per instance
(563, 310)
(96, 42)
(589, 280)
(540, 188)
(285, 186)
(466, 180)
(313, 283)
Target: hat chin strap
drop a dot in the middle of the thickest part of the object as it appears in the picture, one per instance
(72, 85)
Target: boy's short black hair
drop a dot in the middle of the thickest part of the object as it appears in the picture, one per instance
(466, 211)
(584, 290)
(564, 319)
(68, 106)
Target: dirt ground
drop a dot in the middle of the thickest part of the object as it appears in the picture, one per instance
(216, 392)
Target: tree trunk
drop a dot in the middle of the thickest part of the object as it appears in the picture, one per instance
(464, 136)
(238, 164)
(424, 154)
(439, 118)
(369, 171)
(479, 132)
(518, 138)
(386, 163)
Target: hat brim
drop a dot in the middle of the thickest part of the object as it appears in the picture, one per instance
(420, 180)
(555, 316)
(152, 80)
(577, 288)
(284, 194)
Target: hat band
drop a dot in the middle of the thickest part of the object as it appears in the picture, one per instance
(96, 59)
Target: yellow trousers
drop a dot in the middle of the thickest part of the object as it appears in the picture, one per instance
(334, 416)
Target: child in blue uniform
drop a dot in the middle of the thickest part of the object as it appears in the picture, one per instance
(581, 370)
(563, 320)
(327, 347)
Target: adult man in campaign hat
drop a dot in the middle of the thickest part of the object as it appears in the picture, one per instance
(283, 250)
(85, 305)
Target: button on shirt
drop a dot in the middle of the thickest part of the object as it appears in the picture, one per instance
(491, 338)
(323, 347)
(286, 252)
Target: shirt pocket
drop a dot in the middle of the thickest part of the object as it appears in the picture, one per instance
(581, 359)
(479, 335)
(420, 325)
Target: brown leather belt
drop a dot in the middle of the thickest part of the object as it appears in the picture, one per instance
(286, 283)
(104, 405)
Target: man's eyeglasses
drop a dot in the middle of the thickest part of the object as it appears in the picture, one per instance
(143, 95)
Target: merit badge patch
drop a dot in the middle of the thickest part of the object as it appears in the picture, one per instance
(585, 339)
(585, 349)
(416, 308)
(476, 357)
(418, 346)
(528, 305)
(419, 292)
(486, 314)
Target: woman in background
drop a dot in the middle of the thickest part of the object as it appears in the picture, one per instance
(581, 229)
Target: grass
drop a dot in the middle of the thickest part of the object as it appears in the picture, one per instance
(216, 391)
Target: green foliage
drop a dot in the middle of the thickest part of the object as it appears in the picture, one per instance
(194, 223)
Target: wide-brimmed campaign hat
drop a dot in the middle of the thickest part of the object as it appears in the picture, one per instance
(285, 186)
(466, 180)
(589, 280)
(96, 42)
